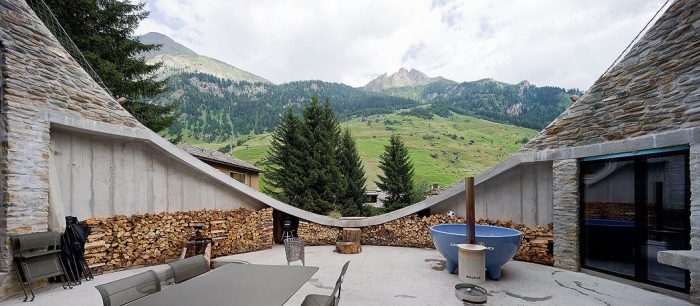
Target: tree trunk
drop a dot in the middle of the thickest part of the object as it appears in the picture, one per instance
(352, 235)
(348, 247)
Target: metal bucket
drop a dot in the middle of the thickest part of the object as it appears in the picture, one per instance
(469, 293)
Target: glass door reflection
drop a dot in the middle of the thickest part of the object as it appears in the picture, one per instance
(609, 216)
(632, 208)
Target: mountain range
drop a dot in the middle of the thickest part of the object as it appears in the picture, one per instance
(402, 78)
(218, 99)
(177, 58)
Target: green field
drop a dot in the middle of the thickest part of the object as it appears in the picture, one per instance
(443, 150)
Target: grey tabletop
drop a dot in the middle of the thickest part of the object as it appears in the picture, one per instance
(234, 284)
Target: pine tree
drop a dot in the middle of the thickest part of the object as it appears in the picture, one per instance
(155, 117)
(313, 165)
(397, 178)
(325, 182)
(284, 175)
(103, 32)
(336, 177)
(351, 166)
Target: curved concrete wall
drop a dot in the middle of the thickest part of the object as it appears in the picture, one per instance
(85, 139)
(522, 194)
(103, 177)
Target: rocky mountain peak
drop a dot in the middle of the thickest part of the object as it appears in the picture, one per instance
(176, 58)
(168, 45)
(401, 78)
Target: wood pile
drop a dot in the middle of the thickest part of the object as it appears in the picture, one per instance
(414, 231)
(535, 243)
(409, 231)
(121, 242)
(317, 234)
(350, 243)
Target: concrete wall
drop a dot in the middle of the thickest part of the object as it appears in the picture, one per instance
(103, 177)
(522, 194)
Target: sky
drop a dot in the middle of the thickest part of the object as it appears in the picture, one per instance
(547, 42)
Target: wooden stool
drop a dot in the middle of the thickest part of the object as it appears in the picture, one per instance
(350, 242)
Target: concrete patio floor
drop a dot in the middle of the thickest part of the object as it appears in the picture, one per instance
(407, 276)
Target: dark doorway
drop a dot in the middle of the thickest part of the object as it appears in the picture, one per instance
(278, 218)
(632, 207)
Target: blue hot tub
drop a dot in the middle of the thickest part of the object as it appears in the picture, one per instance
(504, 241)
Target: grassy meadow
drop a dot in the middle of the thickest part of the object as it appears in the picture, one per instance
(443, 150)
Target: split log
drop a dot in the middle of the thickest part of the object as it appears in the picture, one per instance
(348, 247)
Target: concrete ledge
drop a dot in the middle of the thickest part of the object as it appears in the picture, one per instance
(680, 259)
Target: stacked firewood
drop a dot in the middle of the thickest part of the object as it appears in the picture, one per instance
(409, 231)
(316, 234)
(121, 242)
(414, 231)
(536, 245)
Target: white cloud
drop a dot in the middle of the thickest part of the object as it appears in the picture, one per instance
(548, 42)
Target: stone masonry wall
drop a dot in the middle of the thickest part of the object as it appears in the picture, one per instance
(565, 189)
(37, 75)
(654, 88)
(694, 160)
(414, 231)
(142, 240)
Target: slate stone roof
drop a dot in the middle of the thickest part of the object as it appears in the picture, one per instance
(217, 157)
(654, 88)
(39, 74)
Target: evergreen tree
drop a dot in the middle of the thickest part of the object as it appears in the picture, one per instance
(351, 166)
(325, 182)
(103, 32)
(397, 178)
(313, 165)
(155, 117)
(284, 175)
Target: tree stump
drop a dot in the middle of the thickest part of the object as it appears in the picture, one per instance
(350, 243)
(352, 235)
(348, 247)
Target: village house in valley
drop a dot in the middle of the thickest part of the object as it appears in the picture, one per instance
(238, 169)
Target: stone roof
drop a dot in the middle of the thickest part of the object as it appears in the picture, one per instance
(38, 73)
(654, 88)
(217, 157)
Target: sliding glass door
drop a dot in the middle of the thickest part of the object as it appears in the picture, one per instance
(632, 207)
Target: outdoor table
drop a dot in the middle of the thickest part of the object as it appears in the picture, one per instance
(234, 284)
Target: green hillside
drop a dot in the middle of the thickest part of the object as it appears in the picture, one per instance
(444, 150)
(221, 104)
(213, 108)
(521, 104)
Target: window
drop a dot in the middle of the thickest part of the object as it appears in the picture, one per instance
(632, 208)
(241, 177)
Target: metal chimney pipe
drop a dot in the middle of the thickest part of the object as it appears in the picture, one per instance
(470, 214)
